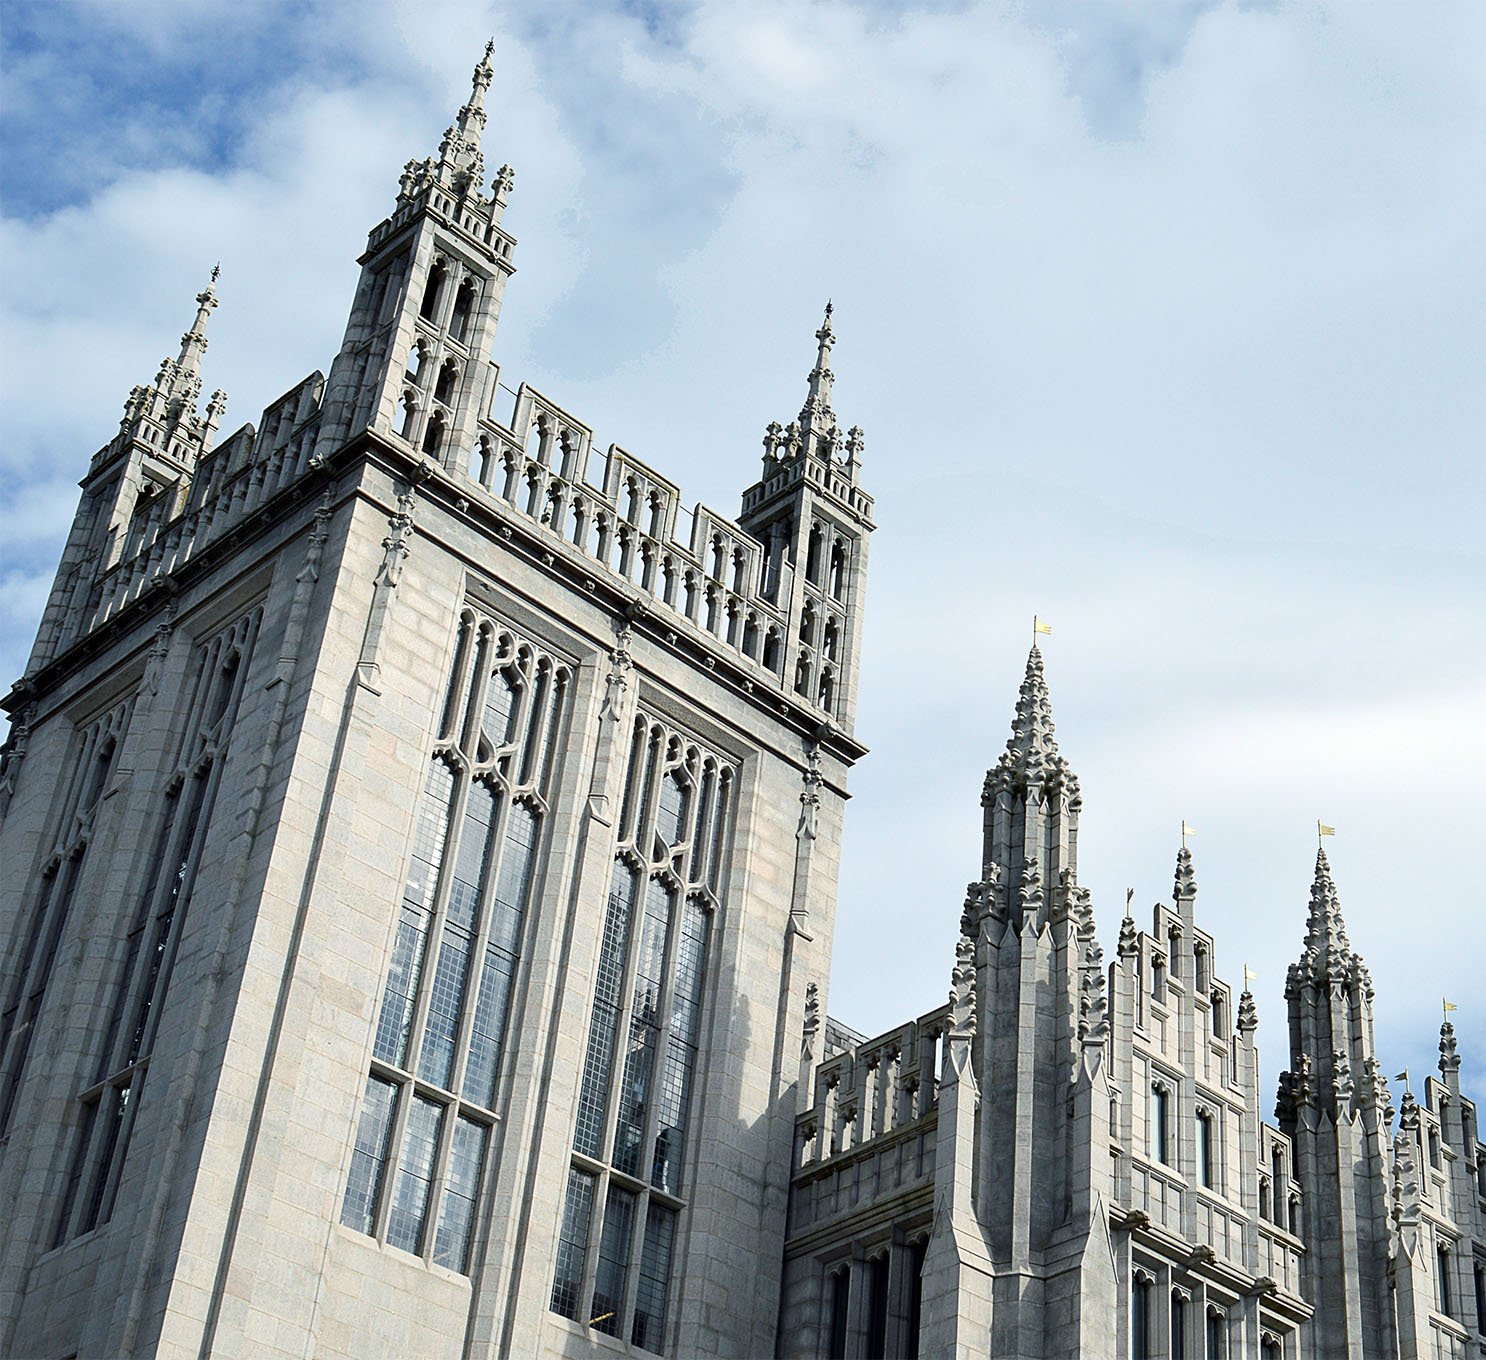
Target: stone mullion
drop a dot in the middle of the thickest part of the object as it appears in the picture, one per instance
(514, 1280)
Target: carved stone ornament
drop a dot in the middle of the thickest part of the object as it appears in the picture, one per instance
(811, 781)
(1093, 1004)
(962, 991)
(395, 547)
(1449, 1054)
(621, 663)
(1029, 892)
(812, 1008)
(1186, 880)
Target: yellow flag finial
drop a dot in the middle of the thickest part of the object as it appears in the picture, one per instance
(1249, 975)
(1039, 628)
(1448, 1007)
(1187, 830)
(1322, 831)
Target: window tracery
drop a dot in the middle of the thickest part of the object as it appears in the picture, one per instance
(97, 747)
(631, 1139)
(441, 1034)
(111, 1104)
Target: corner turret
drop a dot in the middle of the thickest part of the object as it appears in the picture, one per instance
(1334, 1105)
(414, 366)
(136, 482)
(813, 520)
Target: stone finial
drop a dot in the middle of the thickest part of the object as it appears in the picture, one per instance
(1248, 1013)
(1185, 887)
(1031, 755)
(1449, 1054)
(816, 415)
(1129, 944)
(1407, 1199)
(962, 991)
(1093, 1001)
(1029, 891)
(1341, 1080)
(812, 1009)
(1408, 1110)
(1326, 957)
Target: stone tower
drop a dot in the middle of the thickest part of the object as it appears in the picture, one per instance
(1041, 1196)
(1334, 1104)
(421, 835)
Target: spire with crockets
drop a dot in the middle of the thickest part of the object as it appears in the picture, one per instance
(1334, 1104)
(460, 166)
(1031, 800)
(179, 379)
(816, 415)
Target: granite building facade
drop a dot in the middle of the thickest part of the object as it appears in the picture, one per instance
(421, 835)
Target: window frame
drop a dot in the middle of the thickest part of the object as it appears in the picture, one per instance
(517, 772)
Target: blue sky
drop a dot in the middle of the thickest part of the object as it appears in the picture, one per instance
(1163, 320)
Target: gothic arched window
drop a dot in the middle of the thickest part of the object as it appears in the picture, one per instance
(427, 1114)
(617, 1248)
(464, 301)
(432, 290)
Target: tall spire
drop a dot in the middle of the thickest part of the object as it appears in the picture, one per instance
(460, 157)
(1031, 755)
(180, 378)
(1328, 952)
(816, 414)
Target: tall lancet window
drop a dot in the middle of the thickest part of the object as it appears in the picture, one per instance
(425, 1129)
(1205, 1148)
(1160, 1116)
(157, 917)
(51, 897)
(633, 1143)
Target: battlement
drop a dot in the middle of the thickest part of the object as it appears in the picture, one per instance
(872, 1090)
(475, 220)
(613, 508)
(627, 517)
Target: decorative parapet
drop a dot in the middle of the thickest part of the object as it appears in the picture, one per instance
(228, 484)
(873, 1089)
(704, 568)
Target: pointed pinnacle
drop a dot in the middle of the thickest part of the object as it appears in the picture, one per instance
(1186, 881)
(1325, 930)
(817, 412)
(1031, 755)
(1449, 1053)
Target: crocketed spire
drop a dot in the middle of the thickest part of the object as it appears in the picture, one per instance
(460, 157)
(460, 164)
(816, 414)
(1031, 755)
(179, 379)
(1327, 957)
